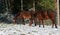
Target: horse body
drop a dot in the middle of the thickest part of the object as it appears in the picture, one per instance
(23, 15)
(44, 15)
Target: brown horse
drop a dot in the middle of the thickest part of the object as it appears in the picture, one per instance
(44, 15)
(52, 15)
(23, 15)
(40, 15)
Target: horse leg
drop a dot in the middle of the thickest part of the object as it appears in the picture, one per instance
(35, 20)
(43, 23)
(55, 25)
(39, 23)
(52, 23)
(31, 21)
(23, 21)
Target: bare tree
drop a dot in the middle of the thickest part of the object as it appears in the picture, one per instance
(21, 5)
(57, 11)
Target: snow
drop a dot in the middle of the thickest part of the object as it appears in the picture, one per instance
(19, 29)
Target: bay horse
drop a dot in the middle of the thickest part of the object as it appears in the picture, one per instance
(23, 15)
(44, 15)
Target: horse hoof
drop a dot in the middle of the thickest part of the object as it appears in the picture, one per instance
(35, 24)
(43, 26)
(56, 27)
(39, 26)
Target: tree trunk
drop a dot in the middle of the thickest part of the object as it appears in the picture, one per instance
(57, 11)
(33, 5)
(21, 5)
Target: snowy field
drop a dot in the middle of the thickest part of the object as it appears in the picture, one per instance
(18, 29)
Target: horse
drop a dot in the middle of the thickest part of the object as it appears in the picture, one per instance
(23, 15)
(44, 15)
(52, 16)
(40, 15)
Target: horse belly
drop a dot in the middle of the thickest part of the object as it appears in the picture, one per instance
(39, 17)
(46, 17)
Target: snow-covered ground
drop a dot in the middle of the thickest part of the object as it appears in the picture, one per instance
(18, 29)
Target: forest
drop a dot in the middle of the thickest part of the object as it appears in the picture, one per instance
(14, 6)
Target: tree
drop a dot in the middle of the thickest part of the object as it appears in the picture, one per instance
(47, 4)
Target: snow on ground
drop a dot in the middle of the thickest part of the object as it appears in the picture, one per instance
(18, 29)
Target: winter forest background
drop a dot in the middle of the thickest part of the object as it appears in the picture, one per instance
(9, 9)
(12, 7)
